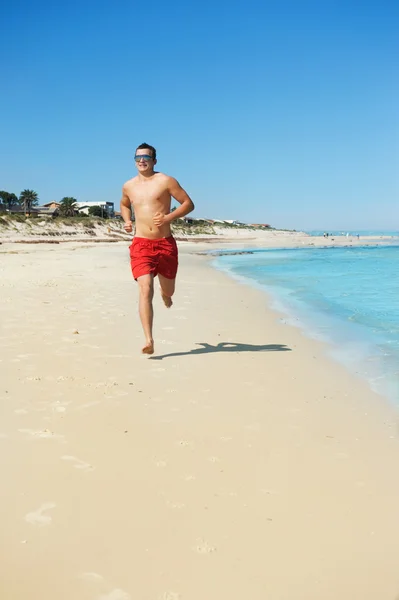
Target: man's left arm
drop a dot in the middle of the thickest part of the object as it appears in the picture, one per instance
(179, 194)
(187, 205)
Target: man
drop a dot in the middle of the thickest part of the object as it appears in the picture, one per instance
(154, 250)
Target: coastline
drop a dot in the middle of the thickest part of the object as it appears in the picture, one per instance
(359, 348)
(38, 231)
(239, 458)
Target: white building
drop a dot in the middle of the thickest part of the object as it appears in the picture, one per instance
(108, 207)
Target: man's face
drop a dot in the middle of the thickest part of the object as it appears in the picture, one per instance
(144, 160)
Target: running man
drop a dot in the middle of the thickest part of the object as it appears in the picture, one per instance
(154, 250)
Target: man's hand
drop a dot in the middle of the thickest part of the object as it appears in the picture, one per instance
(128, 226)
(160, 219)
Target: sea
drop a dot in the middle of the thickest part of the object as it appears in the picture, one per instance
(347, 297)
(354, 232)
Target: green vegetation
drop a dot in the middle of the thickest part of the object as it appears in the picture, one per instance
(8, 199)
(79, 219)
(18, 218)
(195, 228)
(68, 206)
(8, 220)
(28, 198)
(98, 211)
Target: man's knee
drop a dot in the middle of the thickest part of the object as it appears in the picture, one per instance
(168, 290)
(167, 286)
(146, 288)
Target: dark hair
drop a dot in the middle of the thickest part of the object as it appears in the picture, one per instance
(148, 147)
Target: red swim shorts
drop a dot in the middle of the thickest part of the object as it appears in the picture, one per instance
(150, 257)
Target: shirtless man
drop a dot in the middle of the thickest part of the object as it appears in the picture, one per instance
(154, 250)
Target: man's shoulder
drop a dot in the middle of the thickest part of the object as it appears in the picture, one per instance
(160, 175)
(164, 177)
(130, 182)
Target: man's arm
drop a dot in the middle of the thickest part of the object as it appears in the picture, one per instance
(177, 192)
(126, 210)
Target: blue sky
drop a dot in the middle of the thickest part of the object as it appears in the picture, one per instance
(284, 112)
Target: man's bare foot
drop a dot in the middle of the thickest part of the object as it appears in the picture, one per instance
(148, 348)
(167, 300)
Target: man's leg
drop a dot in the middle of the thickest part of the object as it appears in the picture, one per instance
(167, 289)
(146, 287)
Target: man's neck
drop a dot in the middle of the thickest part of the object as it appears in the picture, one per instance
(146, 176)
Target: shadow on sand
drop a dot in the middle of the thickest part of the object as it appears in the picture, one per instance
(226, 347)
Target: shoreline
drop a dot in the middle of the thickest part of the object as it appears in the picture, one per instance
(239, 444)
(331, 330)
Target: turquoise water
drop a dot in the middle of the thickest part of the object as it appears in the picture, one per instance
(346, 296)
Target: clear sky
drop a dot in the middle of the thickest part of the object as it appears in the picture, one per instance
(280, 112)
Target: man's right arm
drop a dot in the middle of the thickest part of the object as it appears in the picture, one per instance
(126, 210)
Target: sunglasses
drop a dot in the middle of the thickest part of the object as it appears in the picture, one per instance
(140, 157)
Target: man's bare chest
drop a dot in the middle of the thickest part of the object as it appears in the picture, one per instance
(148, 194)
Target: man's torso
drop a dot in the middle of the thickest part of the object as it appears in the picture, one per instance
(147, 198)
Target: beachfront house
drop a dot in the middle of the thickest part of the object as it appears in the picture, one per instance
(45, 211)
(107, 207)
(51, 209)
(52, 204)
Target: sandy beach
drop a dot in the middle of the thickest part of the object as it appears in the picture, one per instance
(239, 462)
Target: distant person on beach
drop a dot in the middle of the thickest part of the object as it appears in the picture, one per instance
(154, 250)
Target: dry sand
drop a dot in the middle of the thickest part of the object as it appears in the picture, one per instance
(239, 462)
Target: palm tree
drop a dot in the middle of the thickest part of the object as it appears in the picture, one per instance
(28, 198)
(12, 200)
(68, 206)
(8, 199)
